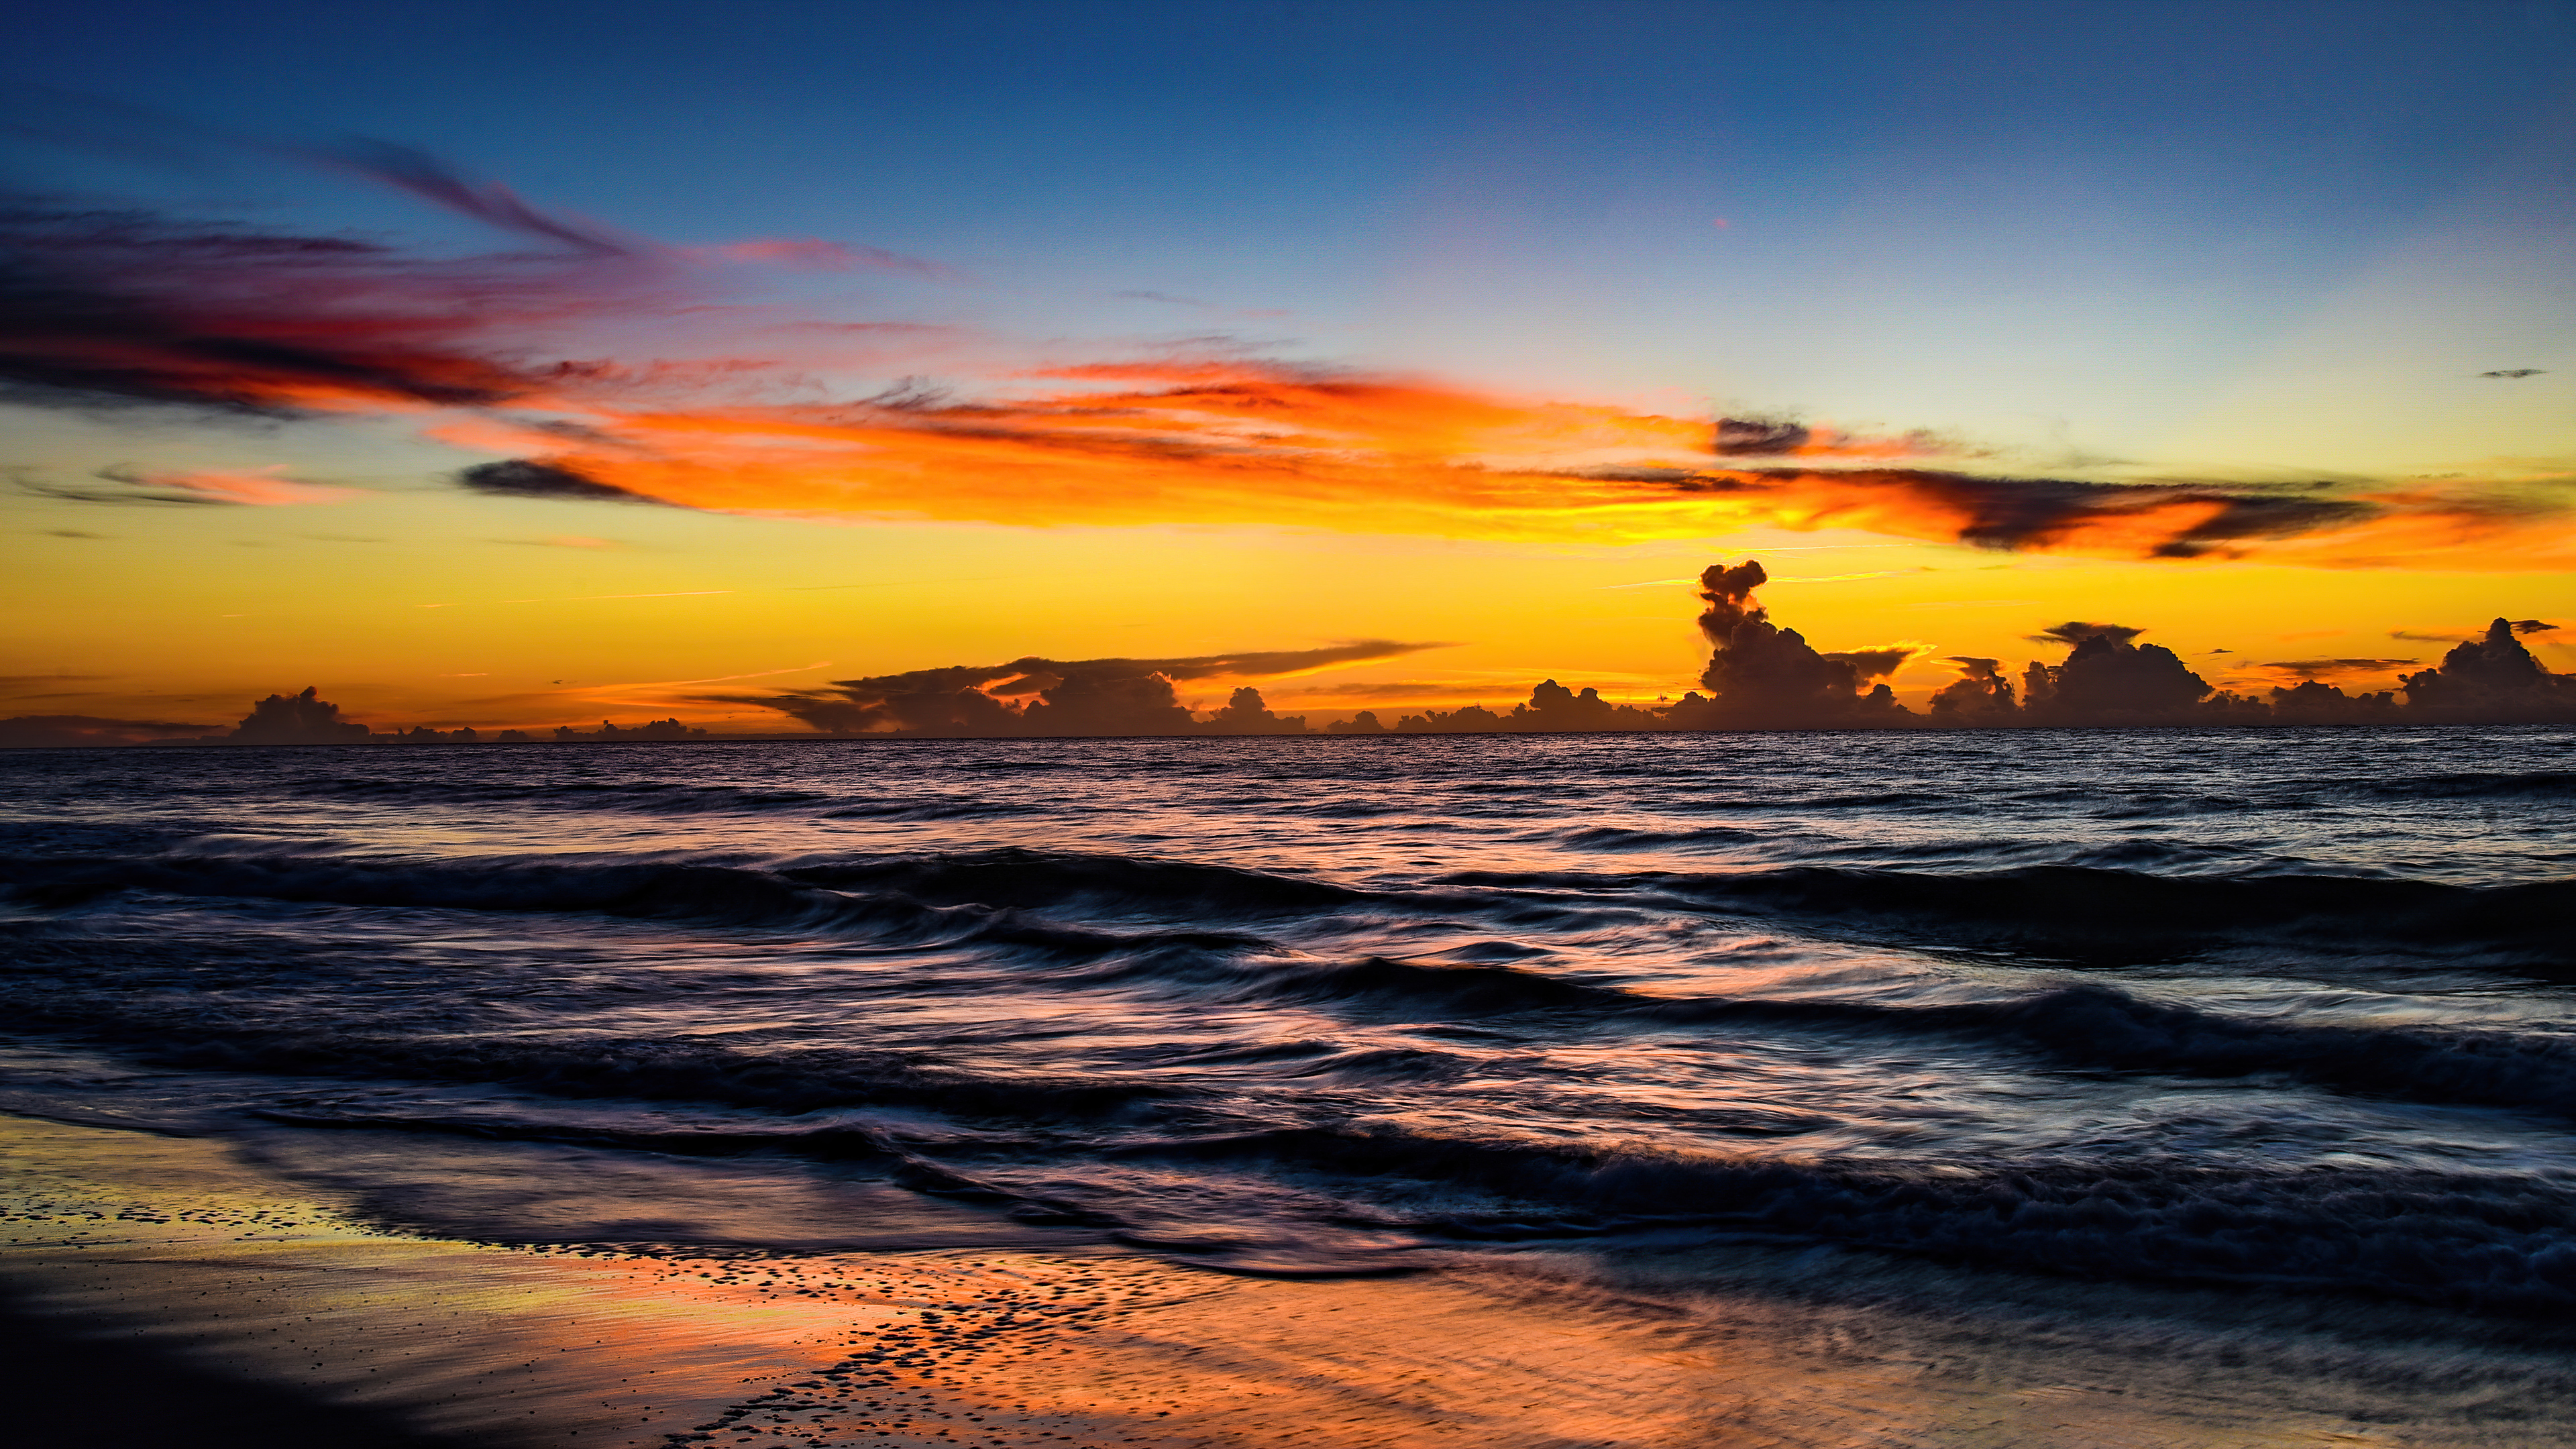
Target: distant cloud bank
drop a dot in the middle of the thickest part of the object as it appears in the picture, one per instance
(1760, 676)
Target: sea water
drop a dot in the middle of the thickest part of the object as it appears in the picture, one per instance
(2282, 1011)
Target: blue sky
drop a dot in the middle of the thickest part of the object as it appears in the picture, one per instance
(2094, 223)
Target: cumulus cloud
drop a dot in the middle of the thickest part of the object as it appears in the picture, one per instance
(1765, 677)
(2108, 680)
(1246, 713)
(2492, 679)
(296, 719)
(1980, 695)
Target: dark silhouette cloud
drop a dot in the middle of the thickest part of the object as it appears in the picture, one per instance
(1552, 706)
(1980, 695)
(1874, 663)
(1757, 438)
(1245, 713)
(280, 719)
(660, 729)
(2076, 631)
(296, 719)
(119, 490)
(2315, 702)
(2108, 680)
(1033, 696)
(2334, 668)
(1761, 676)
(1474, 719)
(2491, 680)
(75, 730)
(2157, 520)
(434, 181)
(525, 478)
(1100, 703)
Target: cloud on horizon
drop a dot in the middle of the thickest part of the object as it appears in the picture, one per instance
(36, 731)
(1034, 696)
(1760, 676)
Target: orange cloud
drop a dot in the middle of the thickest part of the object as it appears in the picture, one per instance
(257, 487)
(1235, 442)
(260, 487)
(137, 312)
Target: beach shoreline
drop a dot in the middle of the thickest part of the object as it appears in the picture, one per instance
(253, 1310)
(184, 1256)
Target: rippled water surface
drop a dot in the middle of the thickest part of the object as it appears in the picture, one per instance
(2276, 1007)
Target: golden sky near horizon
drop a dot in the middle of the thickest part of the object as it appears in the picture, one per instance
(412, 605)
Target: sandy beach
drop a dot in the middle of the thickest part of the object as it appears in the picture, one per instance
(227, 1306)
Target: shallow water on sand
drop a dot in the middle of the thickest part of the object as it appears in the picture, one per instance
(2283, 1010)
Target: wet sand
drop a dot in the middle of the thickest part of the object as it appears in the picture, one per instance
(172, 1293)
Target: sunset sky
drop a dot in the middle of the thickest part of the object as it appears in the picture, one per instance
(889, 337)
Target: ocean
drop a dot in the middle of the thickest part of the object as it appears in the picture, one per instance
(2267, 1022)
